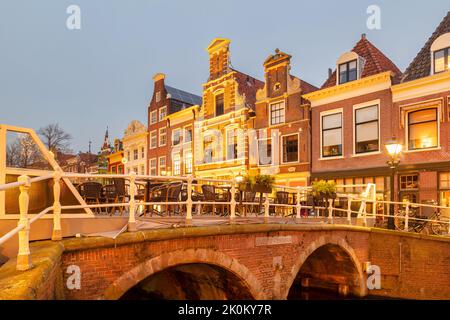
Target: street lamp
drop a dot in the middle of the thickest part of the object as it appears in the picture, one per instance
(239, 178)
(394, 148)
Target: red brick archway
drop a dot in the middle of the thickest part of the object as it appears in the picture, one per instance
(180, 257)
(319, 243)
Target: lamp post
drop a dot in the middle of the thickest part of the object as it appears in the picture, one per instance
(394, 148)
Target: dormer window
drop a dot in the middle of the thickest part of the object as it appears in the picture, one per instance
(348, 71)
(440, 54)
(442, 60)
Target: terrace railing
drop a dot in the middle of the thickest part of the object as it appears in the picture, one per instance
(284, 212)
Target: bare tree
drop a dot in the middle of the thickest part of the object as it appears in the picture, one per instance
(23, 153)
(55, 138)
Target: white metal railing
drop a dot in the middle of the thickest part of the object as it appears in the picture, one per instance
(293, 209)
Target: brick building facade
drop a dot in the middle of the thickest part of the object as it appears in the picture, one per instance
(290, 129)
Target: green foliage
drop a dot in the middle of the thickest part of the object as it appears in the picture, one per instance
(324, 189)
(248, 183)
(265, 180)
(259, 180)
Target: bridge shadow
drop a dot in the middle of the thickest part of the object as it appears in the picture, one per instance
(329, 272)
(195, 281)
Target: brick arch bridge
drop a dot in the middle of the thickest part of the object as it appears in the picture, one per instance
(257, 262)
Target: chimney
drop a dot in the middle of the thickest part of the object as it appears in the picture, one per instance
(363, 36)
(330, 72)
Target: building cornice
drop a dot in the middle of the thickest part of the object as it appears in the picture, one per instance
(350, 89)
(421, 87)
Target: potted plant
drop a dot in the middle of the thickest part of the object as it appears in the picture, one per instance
(247, 184)
(323, 191)
(264, 183)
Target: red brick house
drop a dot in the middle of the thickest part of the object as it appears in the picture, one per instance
(166, 100)
(351, 119)
(421, 113)
(280, 143)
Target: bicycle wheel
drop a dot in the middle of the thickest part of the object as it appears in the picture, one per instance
(440, 228)
(399, 220)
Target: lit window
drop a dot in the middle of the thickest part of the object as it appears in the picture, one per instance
(441, 60)
(332, 135)
(232, 144)
(135, 154)
(188, 162)
(265, 151)
(162, 113)
(153, 117)
(176, 164)
(290, 148)
(444, 180)
(162, 137)
(176, 137)
(366, 129)
(422, 129)
(219, 104)
(162, 165)
(409, 182)
(153, 167)
(347, 71)
(153, 139)
(277, 113)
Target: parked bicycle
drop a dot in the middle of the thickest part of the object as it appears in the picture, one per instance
(425, 219)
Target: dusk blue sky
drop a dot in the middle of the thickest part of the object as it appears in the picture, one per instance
(102, 74)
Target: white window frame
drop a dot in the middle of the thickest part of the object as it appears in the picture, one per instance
(160, 112)
(142, 152)
(185, 152)
(136, 154)
(162, 167)
(185, 129)
(233, 128)
(282, 149)
(179, 165)
(361, 106)
(438, 121)
(155, 113)
(155, 167)
(327, 113)
(270, 112)
(160, 134)
(158, 96)
(181, 137)
(156, 135)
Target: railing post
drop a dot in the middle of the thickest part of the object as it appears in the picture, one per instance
(57, 233)
(132, 206)
(266, 208)
(23, 256)
(233, 202)
(407, 217)
(299, 204)
(349, 210)
(364, 212)
(189, 200)
(330, 210)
